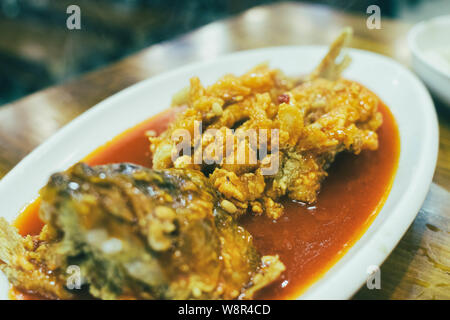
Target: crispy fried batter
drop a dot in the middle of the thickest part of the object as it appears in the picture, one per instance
(316, 119)
(136, 233)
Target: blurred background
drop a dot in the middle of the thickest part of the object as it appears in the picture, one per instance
(37, 50)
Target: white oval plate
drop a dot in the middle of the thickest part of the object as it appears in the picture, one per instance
(406, 96)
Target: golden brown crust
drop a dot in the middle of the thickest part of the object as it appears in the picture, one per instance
(136, 233)
(316, 119)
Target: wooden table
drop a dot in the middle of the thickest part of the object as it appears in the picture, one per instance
(419, 268)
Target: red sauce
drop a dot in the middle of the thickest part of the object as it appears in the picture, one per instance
(132, 145)
(308, 239)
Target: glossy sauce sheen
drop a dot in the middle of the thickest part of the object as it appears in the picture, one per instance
(308, 238)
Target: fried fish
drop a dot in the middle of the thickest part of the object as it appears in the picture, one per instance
(135, 233)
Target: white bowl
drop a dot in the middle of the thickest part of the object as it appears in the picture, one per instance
(429, 42)
(406, 96)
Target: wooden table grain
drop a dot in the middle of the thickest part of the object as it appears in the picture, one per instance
(419, 267)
